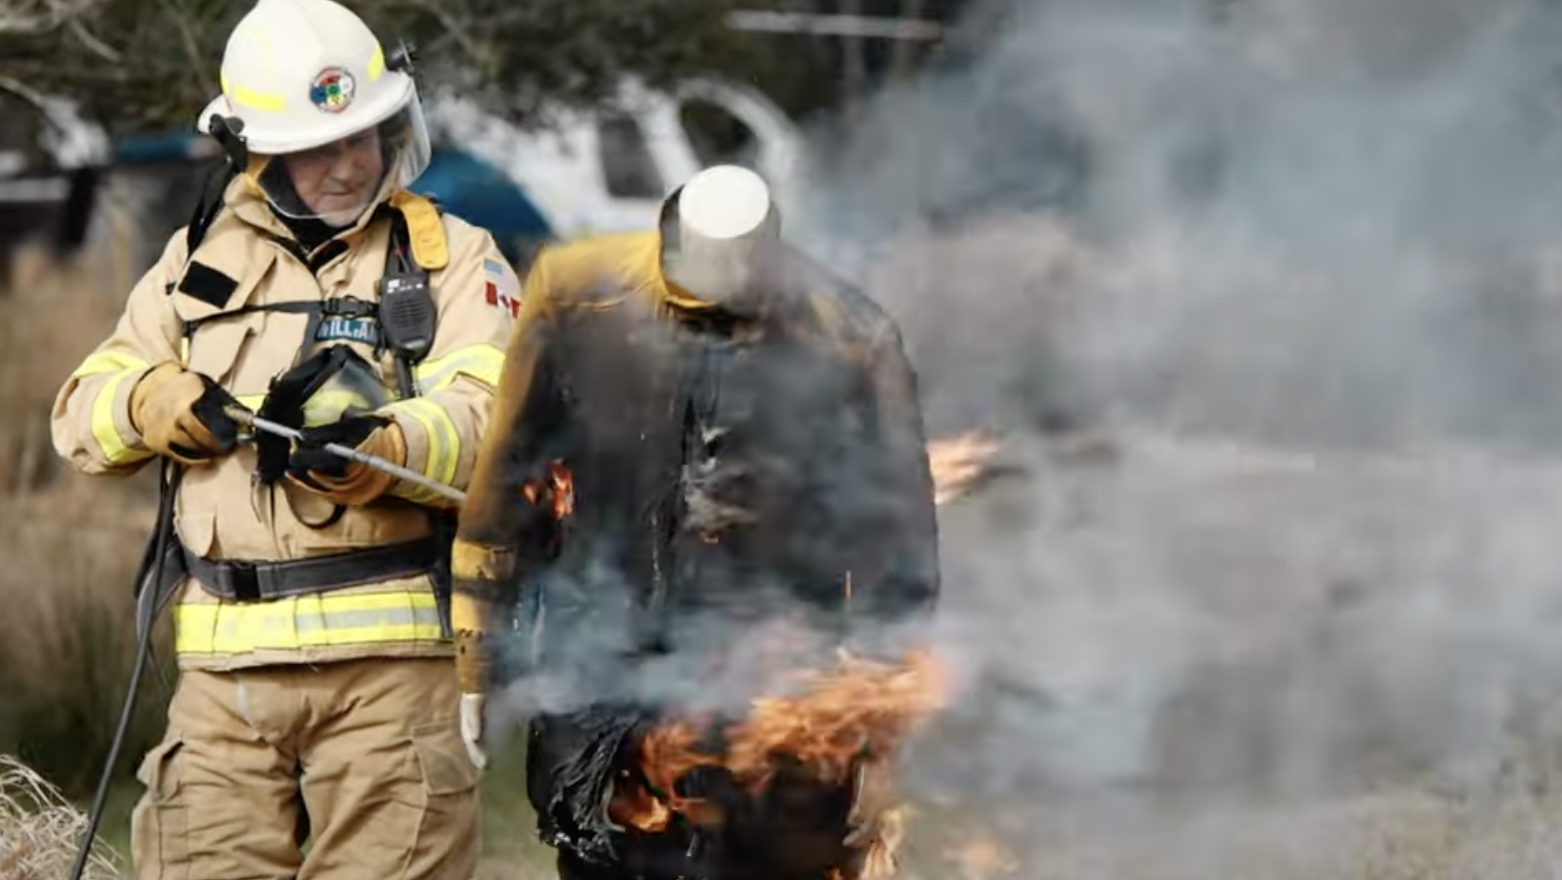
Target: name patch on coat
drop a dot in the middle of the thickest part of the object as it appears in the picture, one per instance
(364, 330)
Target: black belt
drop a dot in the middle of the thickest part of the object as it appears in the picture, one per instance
(247, 581)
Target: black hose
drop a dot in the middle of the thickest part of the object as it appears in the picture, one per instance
(147, 606)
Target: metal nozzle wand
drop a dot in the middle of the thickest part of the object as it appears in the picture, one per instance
(252, 421)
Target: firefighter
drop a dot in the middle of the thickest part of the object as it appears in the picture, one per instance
(317, 700)
(697, 426)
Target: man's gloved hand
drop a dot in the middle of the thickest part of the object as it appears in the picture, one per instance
(342, 480)
(180, 414)
(479, 606)
(473, 707)
(476, 622)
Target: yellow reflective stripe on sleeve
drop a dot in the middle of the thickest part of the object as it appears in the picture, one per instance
(482, 362)
(310, 621)
(444, 442)
(105, 427)
(109, 362)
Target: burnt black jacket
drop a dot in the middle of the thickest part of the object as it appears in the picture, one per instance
(661, 472)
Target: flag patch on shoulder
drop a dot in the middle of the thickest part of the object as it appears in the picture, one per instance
(500, 288)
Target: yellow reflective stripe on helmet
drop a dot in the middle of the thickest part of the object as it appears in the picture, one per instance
(376, 63)
(483, 362)
(251, 97)
(105, 427)
(109, 362)
(319, 620)
(444, 442)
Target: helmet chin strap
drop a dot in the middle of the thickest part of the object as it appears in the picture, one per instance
(228, 131)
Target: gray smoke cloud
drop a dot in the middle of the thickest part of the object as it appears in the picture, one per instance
(1263, 297)
(1301, 222)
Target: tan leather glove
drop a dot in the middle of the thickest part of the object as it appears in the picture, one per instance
(477, 616)
(180, 414)
(342, 480)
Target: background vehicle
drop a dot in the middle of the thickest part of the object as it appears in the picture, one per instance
(607, 171)
(583, 173)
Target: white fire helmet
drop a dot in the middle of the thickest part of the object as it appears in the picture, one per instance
(309, 81)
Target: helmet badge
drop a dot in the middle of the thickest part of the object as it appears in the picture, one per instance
(332, 90)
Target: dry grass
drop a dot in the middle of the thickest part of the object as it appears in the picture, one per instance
(51, 316)
(40, 830)
(67, 639)
(70, 543)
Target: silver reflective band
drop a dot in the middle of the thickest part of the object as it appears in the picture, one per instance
(306, 623)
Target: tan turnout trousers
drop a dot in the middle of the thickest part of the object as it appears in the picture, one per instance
(364, 757)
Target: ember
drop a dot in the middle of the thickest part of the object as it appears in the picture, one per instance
(559, 489)
(957, 463)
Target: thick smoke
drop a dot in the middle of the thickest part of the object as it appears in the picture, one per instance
(1320, 222)
(1262, 296)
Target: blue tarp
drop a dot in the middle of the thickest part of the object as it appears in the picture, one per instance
(151, 148)
(481, 194)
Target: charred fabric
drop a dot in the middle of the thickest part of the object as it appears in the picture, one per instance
(709, 531)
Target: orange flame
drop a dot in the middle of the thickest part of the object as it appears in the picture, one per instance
(957, 463)
(559, 489)
(840, 726)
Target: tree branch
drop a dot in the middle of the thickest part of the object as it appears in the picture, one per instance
(192, 45)
(140, 65)
(40, 16)
(25, 92)
(100, 48)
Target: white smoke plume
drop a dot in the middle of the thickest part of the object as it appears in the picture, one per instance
(1297, 221)
(1262, 297)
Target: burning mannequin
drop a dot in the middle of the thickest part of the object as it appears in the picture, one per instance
(698, 435)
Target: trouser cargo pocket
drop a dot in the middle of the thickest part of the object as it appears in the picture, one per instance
(158, 826)
(446, 841)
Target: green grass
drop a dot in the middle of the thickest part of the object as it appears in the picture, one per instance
(114, 829)
(511, 850)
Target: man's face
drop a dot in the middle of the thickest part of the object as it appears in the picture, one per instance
(336, 180)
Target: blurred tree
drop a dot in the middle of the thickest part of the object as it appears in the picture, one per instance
(38, 16)
(812, 71)
(141, 65)
(145, 65)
